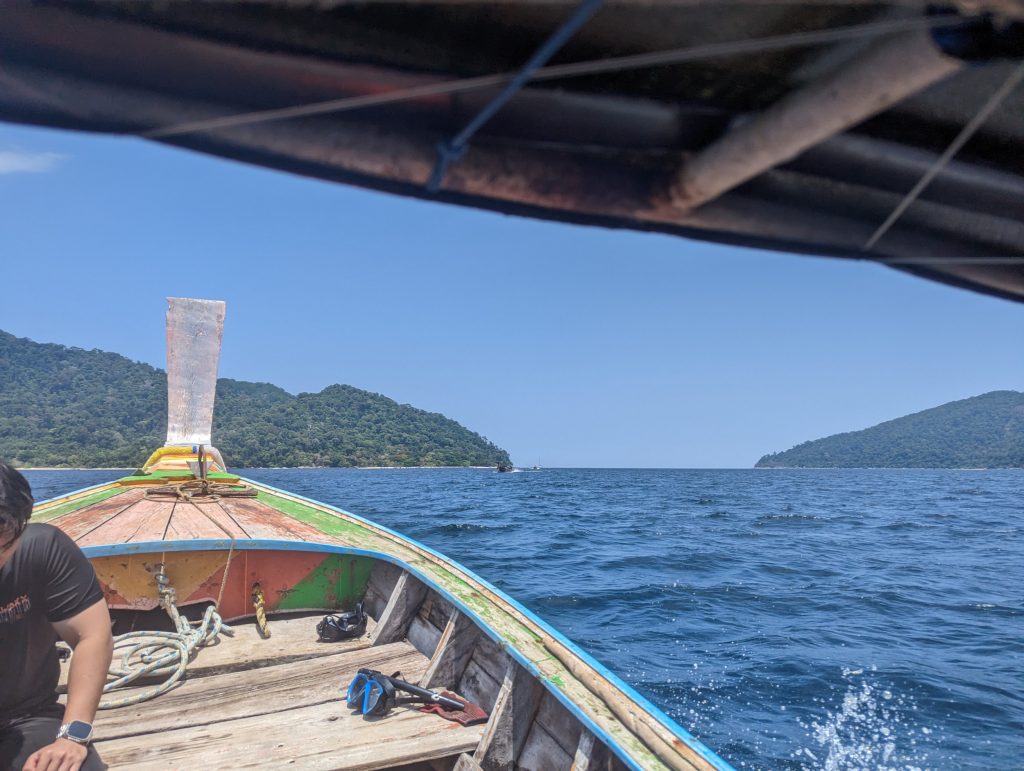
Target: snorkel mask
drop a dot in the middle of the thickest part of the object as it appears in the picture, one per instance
(342, 626)
(374, 693)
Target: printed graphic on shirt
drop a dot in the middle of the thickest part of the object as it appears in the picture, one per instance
(15, 610)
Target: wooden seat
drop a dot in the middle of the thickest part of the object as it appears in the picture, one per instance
(277, 711)
(292, 638)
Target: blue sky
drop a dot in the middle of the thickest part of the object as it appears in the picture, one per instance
(568, 346)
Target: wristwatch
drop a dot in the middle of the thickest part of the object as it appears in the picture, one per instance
(77, 731)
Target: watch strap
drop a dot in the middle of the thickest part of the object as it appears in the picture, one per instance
(82, 726)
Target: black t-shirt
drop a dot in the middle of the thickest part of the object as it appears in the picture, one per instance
(47, 579)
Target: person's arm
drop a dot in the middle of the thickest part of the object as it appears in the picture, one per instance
(88, 634)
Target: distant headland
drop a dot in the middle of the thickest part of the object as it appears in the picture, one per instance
(68, 407)
(984, 431)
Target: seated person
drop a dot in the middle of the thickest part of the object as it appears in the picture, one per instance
(48, 590)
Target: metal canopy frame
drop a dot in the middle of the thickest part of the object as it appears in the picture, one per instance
(689, 95)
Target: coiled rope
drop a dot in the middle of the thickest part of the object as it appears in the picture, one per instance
(161, 653)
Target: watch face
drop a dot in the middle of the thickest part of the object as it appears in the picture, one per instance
(79, 731)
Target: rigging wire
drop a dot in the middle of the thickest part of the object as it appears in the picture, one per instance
(955, 146)
(573, 69)
(452, 150)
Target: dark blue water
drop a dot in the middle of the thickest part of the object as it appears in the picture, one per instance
(802, 619)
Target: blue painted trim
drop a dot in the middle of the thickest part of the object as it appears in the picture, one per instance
(214, 544)
(703, 750)
(217, 544)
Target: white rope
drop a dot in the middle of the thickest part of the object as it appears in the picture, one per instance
(160, 653)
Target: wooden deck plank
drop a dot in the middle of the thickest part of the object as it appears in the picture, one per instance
(292, 638)
(222, 516)
(320, 738)
(145, 521)
(189, 522)
(261, 521)
(287, 714)
(79, 523)
(204, 701)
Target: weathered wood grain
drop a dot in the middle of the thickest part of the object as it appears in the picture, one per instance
(383, 578)
(423, 635)
(293, 639)
(560, 724)
(401, 609)
(436, 610)
(591, 754)
(232, 696)
(511, 718)
(217, 512)
(453, 651)
(542, 753)
(319, 738)
(188, 523)
(145, 521)
(261, 521)
(478, 686)
(489, 655)
(373, 603)
(466, 763)
(79, 523)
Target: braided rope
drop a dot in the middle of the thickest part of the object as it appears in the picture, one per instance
(261, 612)
(160, 653)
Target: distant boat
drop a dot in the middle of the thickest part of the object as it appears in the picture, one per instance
(505, 467)
(183, 533)
(535, 468)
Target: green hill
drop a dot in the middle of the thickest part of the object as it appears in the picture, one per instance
(64, 406)
(984, 431)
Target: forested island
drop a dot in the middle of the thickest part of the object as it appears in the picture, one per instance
(68, 407)
(984, 431)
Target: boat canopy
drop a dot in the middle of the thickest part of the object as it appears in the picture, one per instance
(885, 131)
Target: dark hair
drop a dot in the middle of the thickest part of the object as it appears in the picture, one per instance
(15, 498)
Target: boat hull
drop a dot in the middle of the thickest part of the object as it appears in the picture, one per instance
(308, 555)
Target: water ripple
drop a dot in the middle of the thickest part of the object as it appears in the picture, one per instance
(792, 619)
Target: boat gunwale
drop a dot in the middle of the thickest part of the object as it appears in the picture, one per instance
(671, 725)
(148, 547)
(41, 507)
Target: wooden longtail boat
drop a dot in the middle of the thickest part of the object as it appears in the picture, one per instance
(256, 700)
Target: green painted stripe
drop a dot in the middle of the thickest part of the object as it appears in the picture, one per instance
(338, 582)
(175, 475)
(321, 520)
(81, 503)
(360, 536)
(515, 632)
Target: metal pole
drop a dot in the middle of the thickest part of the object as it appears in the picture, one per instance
(885, 74)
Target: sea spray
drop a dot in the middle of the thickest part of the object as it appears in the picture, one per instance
(871, 728)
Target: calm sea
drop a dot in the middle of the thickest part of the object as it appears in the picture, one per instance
(791, 619)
